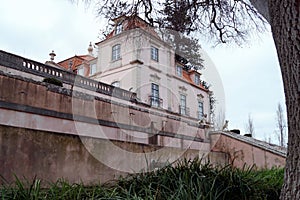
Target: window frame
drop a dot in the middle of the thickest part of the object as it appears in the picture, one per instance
(155, 100)
(179, 71)
(183, 106)
(93, 68)
(119, 28)
(197, 79)
(116, 52)
(154, 53)
(200, 113)
(79, 70)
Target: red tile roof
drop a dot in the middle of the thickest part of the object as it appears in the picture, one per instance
(76, 61)
(187, 77)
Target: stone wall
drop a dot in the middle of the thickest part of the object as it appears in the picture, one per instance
(53, 132)
(50, 156)
(23, 95)
(247, 151)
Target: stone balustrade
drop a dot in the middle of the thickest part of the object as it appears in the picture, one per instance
(29, 66)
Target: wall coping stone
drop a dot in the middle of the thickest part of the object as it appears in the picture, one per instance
(278, 150)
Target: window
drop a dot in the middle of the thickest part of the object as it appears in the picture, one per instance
(179, 70)
(93, 68)
(200, 110)
(116, 52)
(116, 83)
(154, 98)
(80, 71)
(183, 104)
(119, 28)
(154, 53)
(197, 79)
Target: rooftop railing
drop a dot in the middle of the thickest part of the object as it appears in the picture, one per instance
(26, 65)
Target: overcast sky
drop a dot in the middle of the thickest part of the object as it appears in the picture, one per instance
(250, 75)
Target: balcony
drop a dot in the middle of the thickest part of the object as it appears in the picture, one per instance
(155, 101)
(183, 110)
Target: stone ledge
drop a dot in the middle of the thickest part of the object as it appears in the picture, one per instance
(258, 143)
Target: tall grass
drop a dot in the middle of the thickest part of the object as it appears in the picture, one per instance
(188, 179)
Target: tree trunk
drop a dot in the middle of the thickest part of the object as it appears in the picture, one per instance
(285, 24)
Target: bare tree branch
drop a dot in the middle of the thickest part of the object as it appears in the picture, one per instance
(281, 125)
(250, 126)
(223, 20)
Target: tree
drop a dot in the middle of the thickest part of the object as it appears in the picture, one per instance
(231, 20)
(176, 25)
(250, 126)
(284, 18)
(281, 125)
(221, 20)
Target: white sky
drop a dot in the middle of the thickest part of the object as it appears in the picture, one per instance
(251, 76)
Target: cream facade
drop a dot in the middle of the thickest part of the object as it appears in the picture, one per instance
(136, 59)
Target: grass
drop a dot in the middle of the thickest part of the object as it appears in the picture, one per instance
(188, 179)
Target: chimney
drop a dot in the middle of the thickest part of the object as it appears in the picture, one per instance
(52, 55)
(90, 49)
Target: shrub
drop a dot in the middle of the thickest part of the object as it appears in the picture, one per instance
(188, 179)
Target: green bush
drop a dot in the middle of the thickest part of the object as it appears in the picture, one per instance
(53, 81)
(188, 179)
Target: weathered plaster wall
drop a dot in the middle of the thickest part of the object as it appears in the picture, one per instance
(243, 152)
(76, 105)
(50, 156)
(53, 132)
